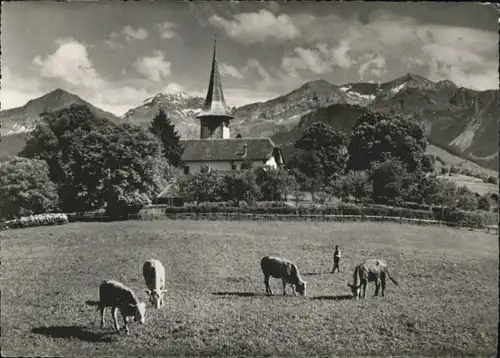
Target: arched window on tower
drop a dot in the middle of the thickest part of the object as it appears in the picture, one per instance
(238, 136)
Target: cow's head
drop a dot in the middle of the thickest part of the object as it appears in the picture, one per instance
(301, 287)
(356, 290)
(156, 297)
(135, 313)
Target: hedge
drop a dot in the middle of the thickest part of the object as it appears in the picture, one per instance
(35, 220)
(476, 219)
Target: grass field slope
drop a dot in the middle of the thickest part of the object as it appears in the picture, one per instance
(446, 303)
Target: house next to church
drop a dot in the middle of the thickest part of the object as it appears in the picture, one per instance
(215, 148)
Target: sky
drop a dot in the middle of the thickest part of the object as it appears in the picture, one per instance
(117, 54)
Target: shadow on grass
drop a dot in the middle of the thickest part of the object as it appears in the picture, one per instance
(78, 332)
(240, 294)
(311, 273)
(333, 298)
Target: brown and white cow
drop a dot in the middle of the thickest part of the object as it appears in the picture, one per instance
(370, 271)
(280, 268)
(154, 275)
(118, 296)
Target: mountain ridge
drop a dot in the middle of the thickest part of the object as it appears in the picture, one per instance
(24, 118)
(457, 118)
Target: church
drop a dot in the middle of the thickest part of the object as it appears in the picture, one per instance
(215, 148)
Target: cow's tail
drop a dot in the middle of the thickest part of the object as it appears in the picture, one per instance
(355, 277)
(93, 303)
(393, 280)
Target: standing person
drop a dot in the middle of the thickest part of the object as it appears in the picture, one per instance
(336, 259)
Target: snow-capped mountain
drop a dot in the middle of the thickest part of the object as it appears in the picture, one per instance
(181, 108)
(458, 119)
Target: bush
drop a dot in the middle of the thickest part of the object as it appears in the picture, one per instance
(36, 220)
(440, 160)
(492, 180)
(484, 203)
(476, 219)
(25, 188)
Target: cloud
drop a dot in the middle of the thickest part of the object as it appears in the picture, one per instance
(166, 31)
(131, 34)
(204, 10)
(253, 27)
(228, 70)
(236, 97)
(173, 87)
(273, 6)
(17, 90)
(464, 68)
(376, 65)
(265, 78)
(119, 99)
(128, 33)
(71, 68)
(70, 63)
(154, 67)
(464, 55)
(319, 60)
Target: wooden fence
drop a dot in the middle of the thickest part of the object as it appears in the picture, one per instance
(228, 216)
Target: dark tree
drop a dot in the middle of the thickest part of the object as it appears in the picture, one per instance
(378, 135)
(205, 185)
(96, 163)
(274, 184)
(164, 130)
(241, 186)
(387, 178)
(321, 155)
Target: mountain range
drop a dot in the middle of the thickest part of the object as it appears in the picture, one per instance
(460, 120)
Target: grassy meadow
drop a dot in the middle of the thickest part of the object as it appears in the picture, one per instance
(473, 184)
(446, 303)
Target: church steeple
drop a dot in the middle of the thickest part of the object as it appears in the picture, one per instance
(214, 117)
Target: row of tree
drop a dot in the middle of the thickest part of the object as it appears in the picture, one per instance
(381, 185)
(74, 161)
(323, 155)
(382, 160)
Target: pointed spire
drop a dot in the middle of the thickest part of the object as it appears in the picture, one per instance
(215, 48)
(215, 105)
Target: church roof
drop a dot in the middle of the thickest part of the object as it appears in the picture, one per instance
(215, 105)
(227, 149)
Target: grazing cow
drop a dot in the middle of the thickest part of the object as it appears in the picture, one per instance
(369, 271)
(118, 296)
(154, 275)
(286, 270)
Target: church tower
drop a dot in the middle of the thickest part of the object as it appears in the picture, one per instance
(214, 117)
